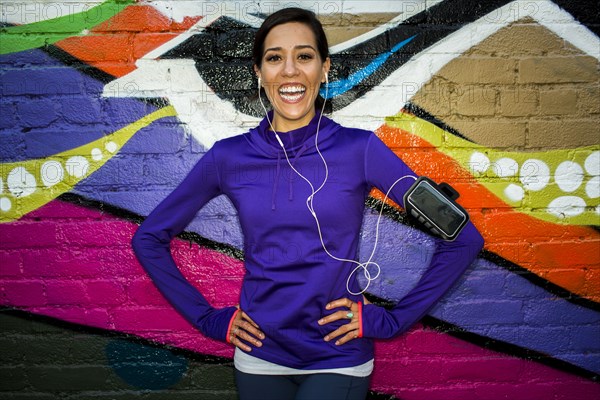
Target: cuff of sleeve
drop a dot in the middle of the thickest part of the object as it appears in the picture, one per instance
(215, 324)
(377, 322)
(228, 337)
(360, 319)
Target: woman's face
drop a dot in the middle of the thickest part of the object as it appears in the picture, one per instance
(291, 74)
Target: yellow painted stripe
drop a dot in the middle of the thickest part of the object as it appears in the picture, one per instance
(501, 180)
(28, 185)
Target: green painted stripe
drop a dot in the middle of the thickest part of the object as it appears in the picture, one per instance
(37, 34)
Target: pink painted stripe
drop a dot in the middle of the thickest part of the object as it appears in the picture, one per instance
(79, 268)
(425, 364)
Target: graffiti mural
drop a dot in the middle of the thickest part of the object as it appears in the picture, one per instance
(106, 105)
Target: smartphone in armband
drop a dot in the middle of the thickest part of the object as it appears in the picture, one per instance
(434, 207)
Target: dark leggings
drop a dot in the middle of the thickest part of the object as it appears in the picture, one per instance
(301, 387)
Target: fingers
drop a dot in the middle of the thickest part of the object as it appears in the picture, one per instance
(243, 331)
(349, 312)
(345, 302)
(337, 316)
(247, 318)
(350, 331)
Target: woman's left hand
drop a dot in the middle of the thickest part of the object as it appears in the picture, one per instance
(348, 331)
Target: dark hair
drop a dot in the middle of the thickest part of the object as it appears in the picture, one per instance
(292, 14)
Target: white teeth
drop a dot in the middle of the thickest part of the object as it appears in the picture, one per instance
(292, 93)
(292, 89)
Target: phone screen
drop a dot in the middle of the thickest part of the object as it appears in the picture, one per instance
(438, 211)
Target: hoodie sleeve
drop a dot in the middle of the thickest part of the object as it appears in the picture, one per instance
(151, 244)
(449, 261)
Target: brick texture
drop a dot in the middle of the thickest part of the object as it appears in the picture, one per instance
(81, 320)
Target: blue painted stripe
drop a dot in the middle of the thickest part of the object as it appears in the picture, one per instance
(343, 85)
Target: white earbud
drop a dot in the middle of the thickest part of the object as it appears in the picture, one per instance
(327, 78)
(259, 82)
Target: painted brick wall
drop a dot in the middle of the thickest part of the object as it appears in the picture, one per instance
(107, 104)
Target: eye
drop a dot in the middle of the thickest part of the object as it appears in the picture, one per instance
(305, 56)
(273, 57)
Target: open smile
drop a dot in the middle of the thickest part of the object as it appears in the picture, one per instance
(292, 93)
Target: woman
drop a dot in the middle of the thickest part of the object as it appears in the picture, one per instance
(302, 329)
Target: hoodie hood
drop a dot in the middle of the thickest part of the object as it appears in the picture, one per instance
(296, 142)
(301, 140)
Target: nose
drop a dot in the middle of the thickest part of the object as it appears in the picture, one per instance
(290, 68)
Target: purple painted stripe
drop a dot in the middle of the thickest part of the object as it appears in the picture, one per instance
(53, 107)
(488, 300)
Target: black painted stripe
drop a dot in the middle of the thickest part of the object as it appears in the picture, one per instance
(93, 331)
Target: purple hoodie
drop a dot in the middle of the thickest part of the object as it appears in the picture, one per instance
(289, 278)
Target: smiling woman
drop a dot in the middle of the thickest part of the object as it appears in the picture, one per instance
(302, 329)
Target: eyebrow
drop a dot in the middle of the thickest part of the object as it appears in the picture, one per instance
(299, 47)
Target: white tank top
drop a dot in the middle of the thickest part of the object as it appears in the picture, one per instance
(246, 363)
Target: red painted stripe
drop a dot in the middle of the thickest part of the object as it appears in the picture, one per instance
(116, 44)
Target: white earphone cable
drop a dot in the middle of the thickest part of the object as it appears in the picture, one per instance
(309, 202)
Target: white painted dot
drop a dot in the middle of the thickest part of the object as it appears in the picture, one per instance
(20, 182)
(96, 154)
(592, 164)
(1, 186)
(598, 209)
(592, 188)
(77, 166)
(52, 172)
(534, 174)
(514, 192)
(111, 147)
(505, 167)
(566, 206)
(479, 162)
(5, 204)
(568, 176)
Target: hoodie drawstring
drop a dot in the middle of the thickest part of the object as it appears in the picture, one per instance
(276, 181)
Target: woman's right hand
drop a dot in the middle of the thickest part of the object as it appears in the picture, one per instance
(244, 330)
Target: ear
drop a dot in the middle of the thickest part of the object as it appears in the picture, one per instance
(326, 67)
(257, 72)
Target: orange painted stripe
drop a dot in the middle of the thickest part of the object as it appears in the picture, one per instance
(116, 44)
(566, 255)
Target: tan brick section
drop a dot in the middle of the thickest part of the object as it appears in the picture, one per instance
(342, 27)
(558, 102)
(519, 102)
(476, 101)
(500, 133)
(523, 88)
(480, 70)
(571, 69)
(552, 134)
